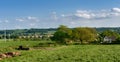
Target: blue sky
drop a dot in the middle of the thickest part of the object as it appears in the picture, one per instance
(22, 14)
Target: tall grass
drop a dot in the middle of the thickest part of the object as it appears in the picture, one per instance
(72, 53)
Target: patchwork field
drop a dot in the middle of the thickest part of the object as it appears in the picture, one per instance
(61, 53)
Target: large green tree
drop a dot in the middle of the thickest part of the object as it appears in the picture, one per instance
(80, 34)
(109, 33)
(84, 35)
(62, 33)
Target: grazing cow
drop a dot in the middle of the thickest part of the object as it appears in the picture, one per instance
(22, 48)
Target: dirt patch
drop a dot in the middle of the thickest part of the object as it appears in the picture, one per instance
(9, 54)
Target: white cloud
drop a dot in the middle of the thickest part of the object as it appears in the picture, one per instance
(28, 19)
(116, 9)
(32, 24)
(92, 14)
(83, 14)
(72, 23)
(54, 16)
(20, 20)
(31, 18)
(63, 15)
(115, 14)
(0, 21)
(86, 14)
(6, 21)
(90, 18)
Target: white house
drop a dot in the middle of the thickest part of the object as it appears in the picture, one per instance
(109, 39)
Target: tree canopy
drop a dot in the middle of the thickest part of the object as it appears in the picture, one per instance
(62, 33)
(109, 33)
(79, 34)
(83, 34)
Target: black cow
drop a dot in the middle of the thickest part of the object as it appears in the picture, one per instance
(23, 48)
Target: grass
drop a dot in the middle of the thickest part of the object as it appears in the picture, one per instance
(71, 53)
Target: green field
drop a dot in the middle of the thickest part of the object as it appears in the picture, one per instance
(61, 53)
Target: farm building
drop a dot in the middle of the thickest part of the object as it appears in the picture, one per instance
(109, 39)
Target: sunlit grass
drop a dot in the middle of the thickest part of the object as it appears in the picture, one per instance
(71, 53)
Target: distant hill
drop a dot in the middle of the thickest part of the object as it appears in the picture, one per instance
(28, 31)
(115, 29)
(47, 31)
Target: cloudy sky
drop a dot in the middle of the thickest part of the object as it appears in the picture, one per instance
(22, 14)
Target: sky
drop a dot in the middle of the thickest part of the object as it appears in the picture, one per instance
(26, 14)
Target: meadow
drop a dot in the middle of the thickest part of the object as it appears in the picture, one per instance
(61, 53)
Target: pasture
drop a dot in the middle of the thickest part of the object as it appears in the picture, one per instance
(61, 53)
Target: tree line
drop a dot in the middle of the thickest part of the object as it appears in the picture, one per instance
(64, 34)
(82, 35)
(78, 34)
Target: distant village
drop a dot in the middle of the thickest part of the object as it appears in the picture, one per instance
(46, 34)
